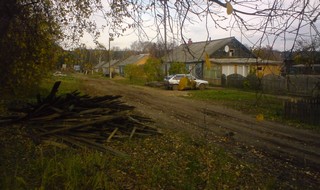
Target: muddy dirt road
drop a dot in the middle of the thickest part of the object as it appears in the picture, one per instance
(289, 154)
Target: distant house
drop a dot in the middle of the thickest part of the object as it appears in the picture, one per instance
(134, 59)
(112, 65)
(98, 67)
(211, 60)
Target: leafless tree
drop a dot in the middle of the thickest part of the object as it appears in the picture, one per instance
(261, 22)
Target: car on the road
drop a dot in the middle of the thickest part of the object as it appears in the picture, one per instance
(172, 81)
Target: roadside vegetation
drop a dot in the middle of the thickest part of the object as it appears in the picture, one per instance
(249, 102)
(168, 161)
(142, 74)
(259, 105)
(69, 83)
(256, 103)
(163, 162)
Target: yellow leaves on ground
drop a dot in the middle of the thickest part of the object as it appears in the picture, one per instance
(229, 8)
(260, 117)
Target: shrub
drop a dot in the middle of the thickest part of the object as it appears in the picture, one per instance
(134, 72)
(252, 82)
(152, 70)
(177, 68)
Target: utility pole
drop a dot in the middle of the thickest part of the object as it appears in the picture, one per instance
(165, 23)
(109, 52)
(165, 29)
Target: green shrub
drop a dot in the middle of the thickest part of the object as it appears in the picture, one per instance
(134, 72)
(251, 82)
(153, 70)
(176, 68)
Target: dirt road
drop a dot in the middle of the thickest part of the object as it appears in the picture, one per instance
(287, 153)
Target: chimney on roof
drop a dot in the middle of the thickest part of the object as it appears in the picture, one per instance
(189, 41)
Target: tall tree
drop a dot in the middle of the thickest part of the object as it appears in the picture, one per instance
(267, 53)
(307, 52)
(29, 29)
(29, 33)
(269, 21)
(27, 45)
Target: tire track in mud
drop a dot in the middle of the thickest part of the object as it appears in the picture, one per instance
(255, 134)
(271, 128)
(272, 142)
(263, 135)
(283, 143)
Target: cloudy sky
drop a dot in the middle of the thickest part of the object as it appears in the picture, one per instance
(198, 31)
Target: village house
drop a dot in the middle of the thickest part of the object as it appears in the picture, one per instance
(110, 66)
(216, 59)
(104, 66)
(98, 67)
(134, 59)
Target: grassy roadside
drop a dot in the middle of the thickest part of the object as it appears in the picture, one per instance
(268, 107)
(69, 83)
(249, 102)
(170, 161)
(262, 106)
(163, 162)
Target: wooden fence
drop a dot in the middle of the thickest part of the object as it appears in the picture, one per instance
(305, 110)
(296, 85)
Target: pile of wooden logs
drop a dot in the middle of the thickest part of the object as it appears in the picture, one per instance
(81, 120)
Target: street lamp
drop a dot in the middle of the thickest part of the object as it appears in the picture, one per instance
(110, 73)
(165, 30)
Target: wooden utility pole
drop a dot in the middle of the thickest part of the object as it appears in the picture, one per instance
(165, 29)
(109, 52)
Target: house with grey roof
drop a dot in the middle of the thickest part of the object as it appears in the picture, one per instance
(211, 60)
(98, 67)
(110, 66)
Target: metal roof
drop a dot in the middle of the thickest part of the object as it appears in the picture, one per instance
(132, 59)
(113, 62)
(196, 51)
(99, 65)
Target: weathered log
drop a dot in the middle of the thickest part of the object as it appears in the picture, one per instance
(112, 134)
(82, 120)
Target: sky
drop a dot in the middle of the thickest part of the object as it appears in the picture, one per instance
(196, 31)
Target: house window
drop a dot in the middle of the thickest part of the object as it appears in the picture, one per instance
(259, 68)
(231, 52)
(246, 70)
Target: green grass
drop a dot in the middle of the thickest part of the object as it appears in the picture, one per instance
(248, 102)
(270, 106)
(170, 161)
(69, 83)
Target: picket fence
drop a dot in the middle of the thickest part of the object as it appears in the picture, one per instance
(305, 110)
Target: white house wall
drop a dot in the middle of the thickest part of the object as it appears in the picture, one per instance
(227, 70)
(243, 70)
(235, 69)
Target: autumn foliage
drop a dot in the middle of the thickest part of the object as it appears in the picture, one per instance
(27, 48)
